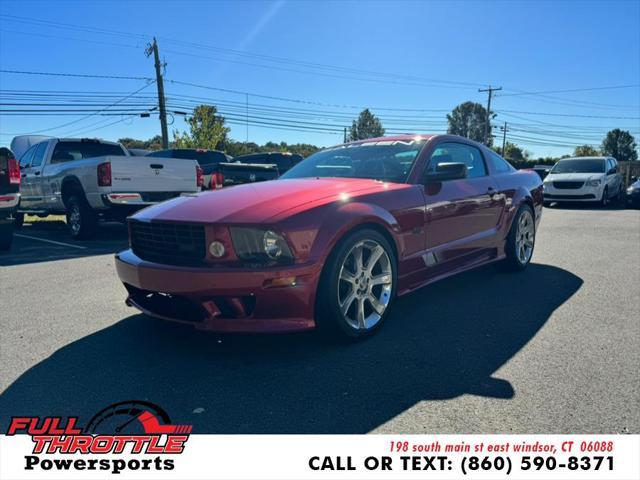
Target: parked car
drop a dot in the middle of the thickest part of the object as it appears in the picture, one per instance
(583, 179)
(219, 169)
(282, 160)
(335, 239)
(542, 170)
(9, 195)
(89, 179)
(633, 193)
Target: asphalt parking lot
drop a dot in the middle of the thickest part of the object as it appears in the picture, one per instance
(554, 349)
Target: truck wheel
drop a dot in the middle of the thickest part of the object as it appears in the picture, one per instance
(6, 235)
(521, 240)
(18, 220)
(358, 285)
(81, 219)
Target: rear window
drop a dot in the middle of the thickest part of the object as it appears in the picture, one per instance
(68, 151)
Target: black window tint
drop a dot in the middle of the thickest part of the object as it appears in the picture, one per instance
(459, 153)
(38, 155)
(67, 151)
(500, 165)
(25, 160)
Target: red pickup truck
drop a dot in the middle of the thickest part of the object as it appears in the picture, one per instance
(9, 195)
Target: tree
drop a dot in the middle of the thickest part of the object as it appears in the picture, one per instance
(586, 151)
(468, 120)
(207, 130)
(367, 126)
(154, 143)
(514, 153)
(621, 145)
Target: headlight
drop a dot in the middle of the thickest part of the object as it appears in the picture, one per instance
(263, 246)
(630, 190)
(593, 182)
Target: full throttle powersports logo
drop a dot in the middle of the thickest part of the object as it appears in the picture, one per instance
(121, 429)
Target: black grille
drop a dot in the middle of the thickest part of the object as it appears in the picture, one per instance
(171, 243)
(568, 185)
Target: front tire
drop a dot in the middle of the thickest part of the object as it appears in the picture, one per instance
(81, 219)
(521, 239)
(604, 201)
(357, 286)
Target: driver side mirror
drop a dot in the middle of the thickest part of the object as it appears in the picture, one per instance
(447, 171)
(611, 171)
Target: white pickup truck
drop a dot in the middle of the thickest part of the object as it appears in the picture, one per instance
(90, 179)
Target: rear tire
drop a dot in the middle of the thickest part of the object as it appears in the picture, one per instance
(18, 220)
(357, 286)
(6, 235)
(81, 219)
(521, 239)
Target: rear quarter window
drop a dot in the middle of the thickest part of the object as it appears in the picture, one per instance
(68, 151)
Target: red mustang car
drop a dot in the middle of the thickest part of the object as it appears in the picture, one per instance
(334, 240)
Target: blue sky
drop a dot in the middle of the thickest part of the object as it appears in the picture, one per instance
(311, 64)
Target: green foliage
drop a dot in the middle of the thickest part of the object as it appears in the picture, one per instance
(366, 126)
(586, 151)
(207, 130)
(468, 120)
(621, 145)
(154, 143)
(235, 148)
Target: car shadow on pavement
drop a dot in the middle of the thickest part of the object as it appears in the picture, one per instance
(46, 241)
(442, 341)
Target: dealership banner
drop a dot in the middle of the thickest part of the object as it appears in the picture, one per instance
(64, 452)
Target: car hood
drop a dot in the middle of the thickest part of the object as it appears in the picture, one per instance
(257, 202)
(572, 177)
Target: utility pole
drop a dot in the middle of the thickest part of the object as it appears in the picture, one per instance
(504, 137)
(486, 123)
(153, 48)
(345, 135)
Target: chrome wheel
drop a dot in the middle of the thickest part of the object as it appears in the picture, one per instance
(525, 237)
(365, 284)
(74, 219)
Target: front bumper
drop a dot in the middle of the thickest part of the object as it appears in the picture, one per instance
(222, 299)
(582, 194)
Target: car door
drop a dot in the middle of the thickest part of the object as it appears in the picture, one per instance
(613, 178)
(461, 215)
(36, 177)
(25, 174)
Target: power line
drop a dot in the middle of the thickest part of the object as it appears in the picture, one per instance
(79, 75)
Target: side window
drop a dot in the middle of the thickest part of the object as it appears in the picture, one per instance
(25, 160)
(38, 156)
(458, 153)
(500, 165)
(613, 165)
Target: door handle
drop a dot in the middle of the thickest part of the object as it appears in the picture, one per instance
(37, 173)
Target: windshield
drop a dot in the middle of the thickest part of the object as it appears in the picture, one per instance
(587, 165)
(386, 160)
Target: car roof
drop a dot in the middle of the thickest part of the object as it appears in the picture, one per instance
(584, 158)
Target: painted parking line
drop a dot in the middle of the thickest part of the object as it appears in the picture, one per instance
(49, 241)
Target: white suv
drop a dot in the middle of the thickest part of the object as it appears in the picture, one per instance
(583, 179)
